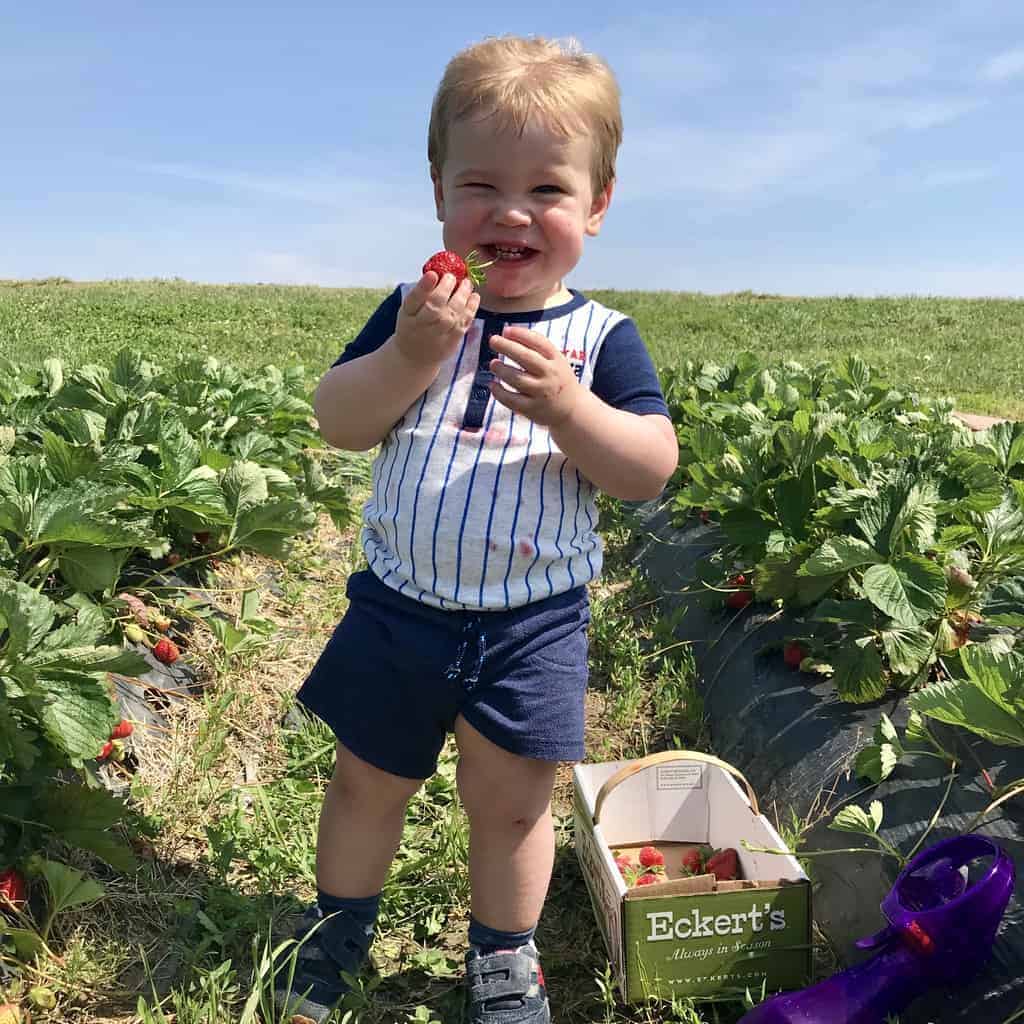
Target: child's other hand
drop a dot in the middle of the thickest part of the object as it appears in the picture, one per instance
(546, 389)
(433, 318)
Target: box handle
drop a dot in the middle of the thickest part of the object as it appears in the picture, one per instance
(663, 757)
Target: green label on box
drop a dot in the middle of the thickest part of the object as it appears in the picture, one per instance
(718, 943)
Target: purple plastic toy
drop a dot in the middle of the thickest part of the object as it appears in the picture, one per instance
(940, 932)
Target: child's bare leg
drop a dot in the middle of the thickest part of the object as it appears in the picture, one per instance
(360, 826)
(512, 841)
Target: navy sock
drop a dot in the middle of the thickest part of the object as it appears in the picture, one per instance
(487, 940)
(363, 909)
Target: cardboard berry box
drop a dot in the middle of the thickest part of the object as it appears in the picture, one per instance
(690, 935)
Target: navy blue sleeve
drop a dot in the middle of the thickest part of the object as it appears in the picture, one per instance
(624, 375)
(376, 331)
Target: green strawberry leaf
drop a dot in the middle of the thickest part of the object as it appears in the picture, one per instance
(859, 612)
(907, 648)
(961, 702)
(839, 555)
(26, 615)
(855, 819)
(1004, 605)
(859, 677)
(76, 712)
(910, 590)
(69, 887)
(89, 568)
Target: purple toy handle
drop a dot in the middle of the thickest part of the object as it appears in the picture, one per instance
(940, 931)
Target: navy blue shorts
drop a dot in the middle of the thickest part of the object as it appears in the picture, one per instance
(396, 673)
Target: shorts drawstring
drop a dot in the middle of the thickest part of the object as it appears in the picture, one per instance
(457, 670)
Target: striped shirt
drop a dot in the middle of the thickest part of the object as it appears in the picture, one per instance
(473, 506)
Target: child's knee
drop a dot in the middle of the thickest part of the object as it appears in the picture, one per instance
(517, 800)
(357, 781)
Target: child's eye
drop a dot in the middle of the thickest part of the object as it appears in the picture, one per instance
(550, 189)
(475, 184)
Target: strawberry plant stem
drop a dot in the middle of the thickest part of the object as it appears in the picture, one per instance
(937, 814)
(824, 853)
(206, 555)
(665, 650)
(1016, 789)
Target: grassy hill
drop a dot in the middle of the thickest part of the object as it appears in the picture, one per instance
(970, 348)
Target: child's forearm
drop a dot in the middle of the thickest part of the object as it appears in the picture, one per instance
(358, 402)
(628, 456)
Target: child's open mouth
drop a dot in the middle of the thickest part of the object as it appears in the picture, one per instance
(508, 254)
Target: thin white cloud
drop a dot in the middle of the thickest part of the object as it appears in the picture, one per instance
(892, 58)
(1004, 66)
(359, 196)
(733, 165)
(688, 62)
(950, 176)
(819, 124)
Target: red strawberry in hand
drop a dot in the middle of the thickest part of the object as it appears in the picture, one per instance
(448, 262)
(647, 880)
(651, 857)
(723, 864)
(13, 890)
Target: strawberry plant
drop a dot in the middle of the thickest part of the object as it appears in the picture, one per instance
(890, 532)
(105, 473)
(867, 510)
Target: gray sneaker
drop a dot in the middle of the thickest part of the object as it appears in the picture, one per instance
(327, 946)
(506, 987)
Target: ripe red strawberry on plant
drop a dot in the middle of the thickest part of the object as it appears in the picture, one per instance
(723, 864)
(166, 651)
(122, 730)
(448, 262)
(738, 599)
(13, 889)
(793, 654)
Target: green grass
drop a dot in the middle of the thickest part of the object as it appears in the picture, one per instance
(972, 349)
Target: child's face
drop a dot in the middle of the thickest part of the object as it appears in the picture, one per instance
(525, 201)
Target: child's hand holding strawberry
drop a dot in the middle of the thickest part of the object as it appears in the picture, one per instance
(546, 389)
(435, 315)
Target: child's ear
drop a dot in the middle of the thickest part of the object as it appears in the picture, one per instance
(599, 207)
(435, 177)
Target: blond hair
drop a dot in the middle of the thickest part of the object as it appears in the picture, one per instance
(512, 78)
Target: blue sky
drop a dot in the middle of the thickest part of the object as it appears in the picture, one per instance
(798, 147)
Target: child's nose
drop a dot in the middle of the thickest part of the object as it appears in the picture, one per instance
(513, 214)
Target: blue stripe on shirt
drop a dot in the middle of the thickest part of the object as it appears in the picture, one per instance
(469, 497)
(494, 502)
(426, 462)
(401, 479)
